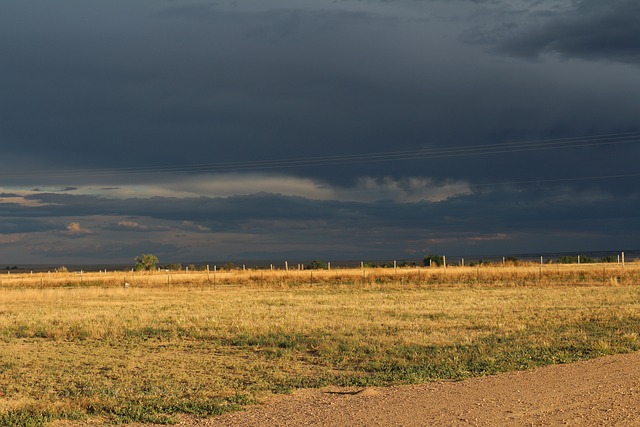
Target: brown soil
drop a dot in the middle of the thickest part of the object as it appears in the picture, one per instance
(600, 392)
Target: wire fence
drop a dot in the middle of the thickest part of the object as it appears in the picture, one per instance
(507, 274)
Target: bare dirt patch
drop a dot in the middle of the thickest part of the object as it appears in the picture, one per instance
(604, 391)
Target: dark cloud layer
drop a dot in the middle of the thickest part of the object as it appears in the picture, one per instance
(98, 98)
(594, 30)
(222, 228)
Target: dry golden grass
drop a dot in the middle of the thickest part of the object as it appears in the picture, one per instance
(495, 274)
(150, 351)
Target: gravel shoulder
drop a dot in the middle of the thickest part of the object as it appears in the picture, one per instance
(603, 391)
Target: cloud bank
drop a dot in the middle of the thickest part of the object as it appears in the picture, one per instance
(216, 130)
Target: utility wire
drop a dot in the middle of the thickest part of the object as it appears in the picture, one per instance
(420, 154)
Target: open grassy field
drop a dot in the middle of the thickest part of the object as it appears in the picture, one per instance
(85, 347)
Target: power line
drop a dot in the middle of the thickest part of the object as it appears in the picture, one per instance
(346, 159)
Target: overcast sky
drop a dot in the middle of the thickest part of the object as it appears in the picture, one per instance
(223, 130)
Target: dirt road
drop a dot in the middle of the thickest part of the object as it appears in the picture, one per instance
(601, 392)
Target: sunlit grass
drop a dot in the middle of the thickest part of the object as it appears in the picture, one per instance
(490, 274)
(148, 353)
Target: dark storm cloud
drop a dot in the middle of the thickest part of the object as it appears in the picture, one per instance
(10, 225)
(536, 210)
(222, 213)
(107, 250)
(160, 83)
(88, 85)
(135, 89)
(592, 30)
(495, 221)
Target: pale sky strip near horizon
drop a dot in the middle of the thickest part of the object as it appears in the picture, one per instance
(246, 129)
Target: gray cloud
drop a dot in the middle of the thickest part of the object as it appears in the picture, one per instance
(592, 30)
(90, 87)
(12, 225)
(286, 226)
(89, 252)
(133, 225)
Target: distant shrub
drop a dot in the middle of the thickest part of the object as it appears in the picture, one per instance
(437, 260)
(574, 260)
(406, 264)
(146, 262)
(317, 265)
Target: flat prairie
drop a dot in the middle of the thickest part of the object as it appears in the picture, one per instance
(86, 348)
